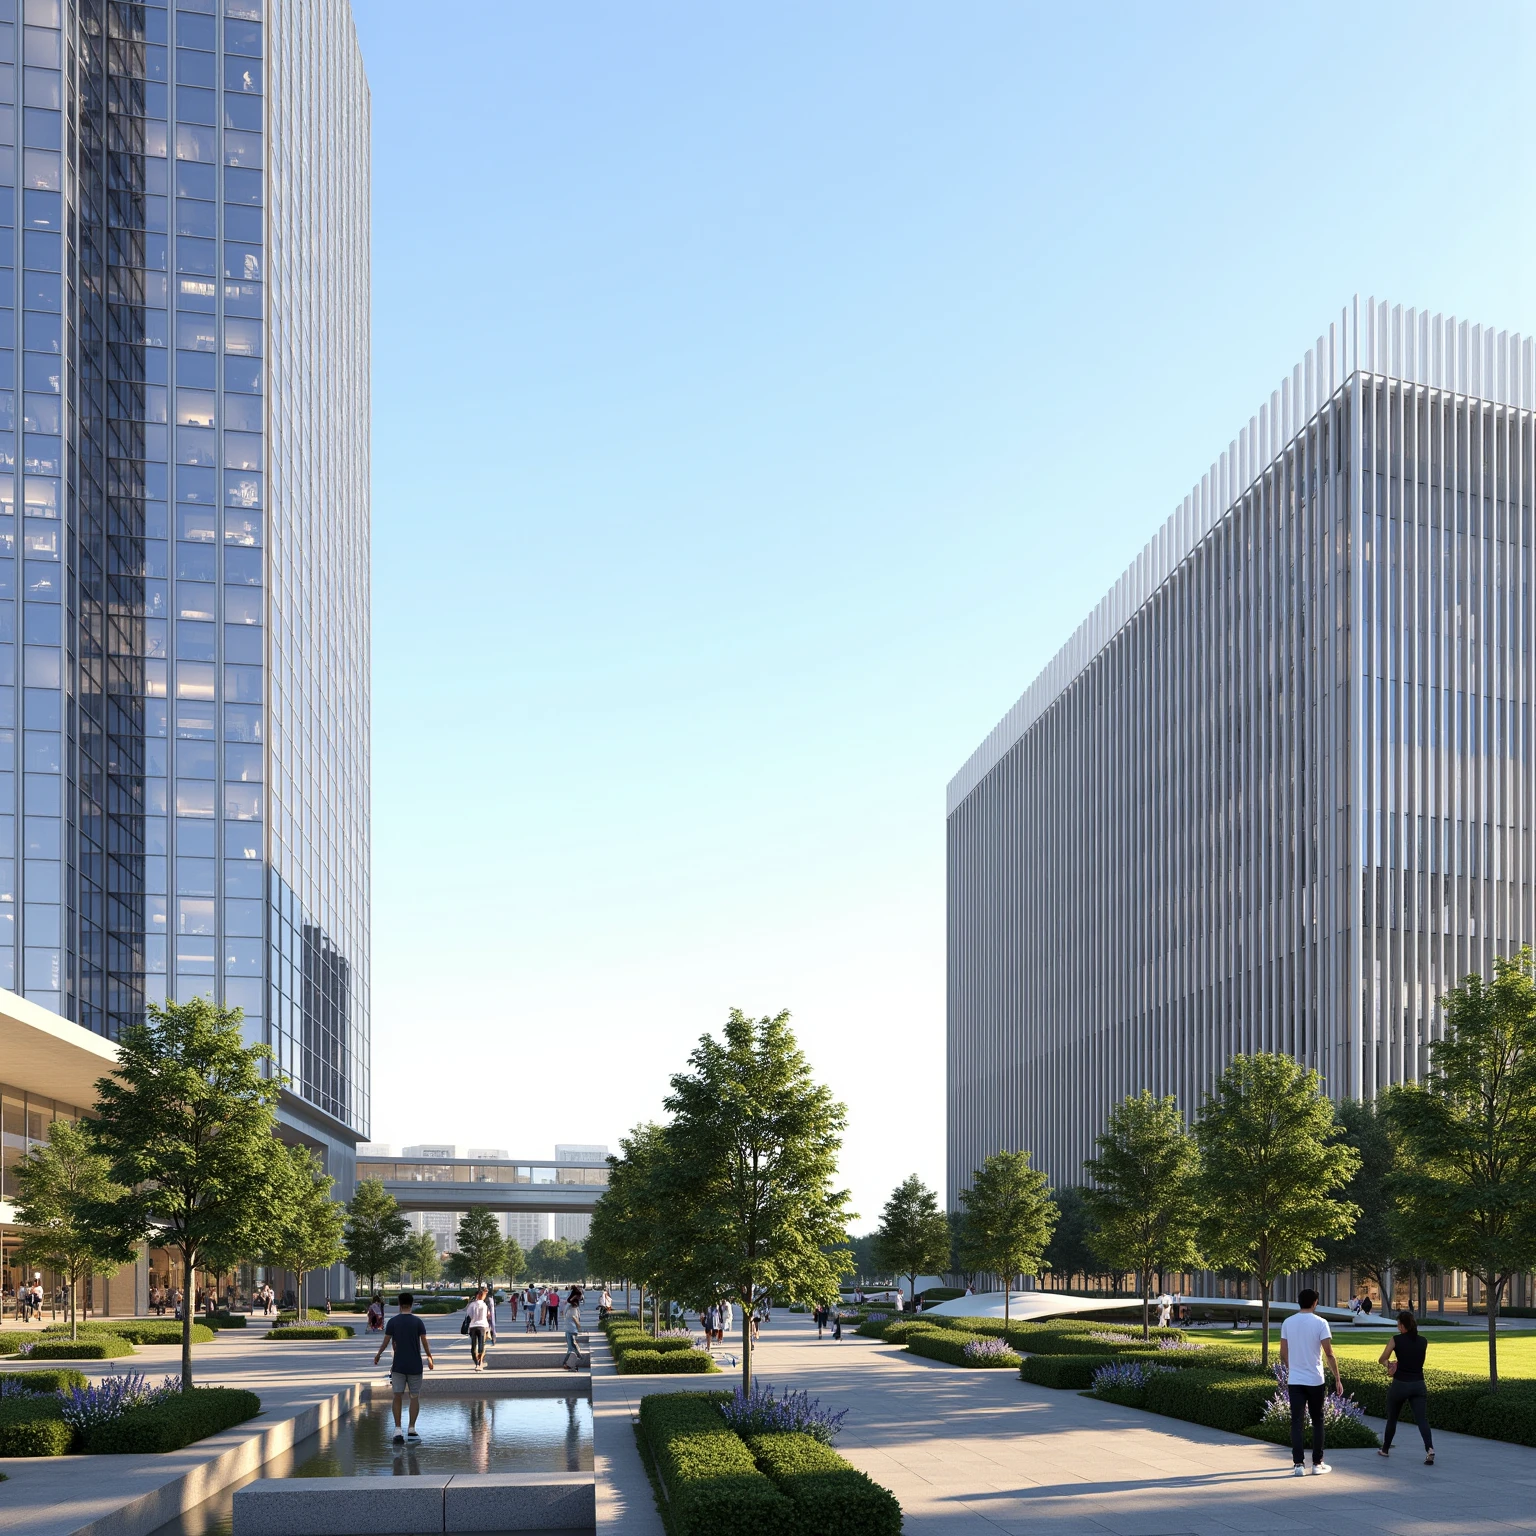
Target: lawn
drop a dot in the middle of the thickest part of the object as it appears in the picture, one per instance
(1450, 1349)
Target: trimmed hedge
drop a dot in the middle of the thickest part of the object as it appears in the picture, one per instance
(311, 1315)
(174, 1422)
(1346, 1435)
(949, 1347)
(11, 1340)
(651, 1362)
(658, 1346)
(47, 1381)
(830, 1497)
(1064, 1372)
(34, 1427)
(899, 1330)
(219, 1320)
(299, 1331)
(712, 1482)
(99, 1346)
(873, 1327)
(1217, 1399)
(137, 1330)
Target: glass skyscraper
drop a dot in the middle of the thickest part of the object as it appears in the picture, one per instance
(184, 632)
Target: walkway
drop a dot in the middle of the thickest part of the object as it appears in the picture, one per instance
(974, 1453)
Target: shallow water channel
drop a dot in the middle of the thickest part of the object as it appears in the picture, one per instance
(458, 1434)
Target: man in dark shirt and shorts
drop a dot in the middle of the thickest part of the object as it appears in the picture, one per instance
(407, 1334)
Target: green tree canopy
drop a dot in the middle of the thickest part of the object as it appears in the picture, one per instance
(1466, 1175)
(1144, 1197)
(748, 1205)
(59, 1185)
(376, 1237)
(309, 1228)
(1272, 1158)
(913, 1235)
(481, 1244)
(1371, 1247)
(186, 1120)
(1070, 1250)
(625, 1237)
(422, 1258)
(1009, 1219)
(514, 1262)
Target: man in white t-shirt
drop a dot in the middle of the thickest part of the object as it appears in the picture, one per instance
(1304, 1339)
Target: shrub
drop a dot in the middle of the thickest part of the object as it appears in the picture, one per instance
(990, 1352)
(902, 1329)
(174, 1421)
(14, 1383)
(137, 1330)
(218, 1320)
(1217, 1399)
(873, 1326)
(293, 1331)
(650, 1362)
(1124, 1381)
(954, 1348)
(1343, 1423)
(11, 1340)
(712, 1481)
(33, 1425)
(95, 1346)
(97, 1403)
(627, 1344)
(1508, 1414)
(311, 1315)
(829, 1497)
(1064, 1372)
(761, 1413)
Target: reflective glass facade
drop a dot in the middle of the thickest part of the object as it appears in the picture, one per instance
(183, 474)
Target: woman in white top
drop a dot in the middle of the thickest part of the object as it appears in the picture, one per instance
(570, 1319)
(479, 1326)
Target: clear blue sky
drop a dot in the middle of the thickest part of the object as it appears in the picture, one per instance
(761, 396)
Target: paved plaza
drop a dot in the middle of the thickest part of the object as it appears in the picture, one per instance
(968, 1453)
(973, 1453)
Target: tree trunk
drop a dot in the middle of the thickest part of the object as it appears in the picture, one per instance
(189, 1259)
(1264, 1289)
(1495, 1290)
(74, 1315)
(300, 1311)
(746, 1350)
(1007, 1298)
(1146, 1309)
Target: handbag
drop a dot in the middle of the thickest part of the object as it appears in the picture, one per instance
(464, 1326)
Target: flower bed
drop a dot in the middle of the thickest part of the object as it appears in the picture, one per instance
(956, 1348)
(173, 1421)
(719, 1482)
(1063, 1372)
(1344, 1426)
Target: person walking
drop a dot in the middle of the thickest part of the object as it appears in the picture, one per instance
(530, 1313)
(821, 1318)
(376, 1313)
(1407, 1389)
(604, 1306)
(837, 1324)
(406, 1335)
(477, 1322)
(1304, 1339)
(552, 1308)
(571, 1322)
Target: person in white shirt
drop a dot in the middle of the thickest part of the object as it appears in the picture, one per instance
(479, 1320)
(1304, 1339)
(570, 1320)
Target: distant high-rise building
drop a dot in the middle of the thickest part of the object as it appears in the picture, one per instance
(434, 1151)
(573, 1229)
(1276, 793)
(526, 1229)
(579, 1152)
(490, 1154)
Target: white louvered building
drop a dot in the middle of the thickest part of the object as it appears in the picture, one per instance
(1275, 792)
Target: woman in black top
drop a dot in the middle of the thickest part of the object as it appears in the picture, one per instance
(1407, 1389)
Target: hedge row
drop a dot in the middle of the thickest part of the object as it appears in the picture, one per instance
(299, 1331)
(47, 1381)
(89, 1346)
(218, 1320)
(949, 1346)
(652, 1362)
(137, 1330)
(173, 1422)
(828, 1495)
(1064, 1372)
(712, 1482)
(34, 1427)
(1344, 1435)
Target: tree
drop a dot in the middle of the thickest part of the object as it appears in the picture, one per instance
(457, 1269)
(1009, 1218)
(421, 1257)
(310, 1223)
(1370, 1248)
(1144, 1198)
(1466, 1180)
(626, 1222)
(59, 1183)
(549, 1258)
(913, 1235)
(186, 1120)
(514, 1262)
(481, 1244)
(377, 1236)
(748, 1206)
(1271, 1159)
(1069, 1251)
(959, 1266)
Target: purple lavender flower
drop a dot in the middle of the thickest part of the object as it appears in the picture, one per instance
(990, 1352)
(761, 1412)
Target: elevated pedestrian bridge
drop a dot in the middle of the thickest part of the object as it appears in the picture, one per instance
(462, 1184)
